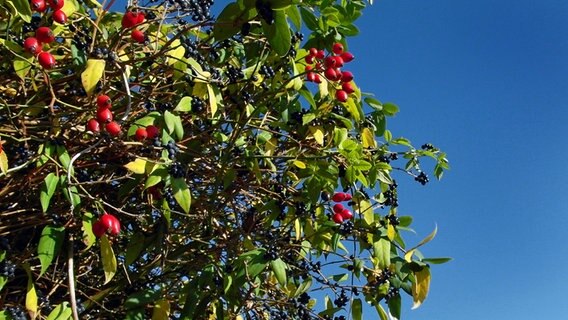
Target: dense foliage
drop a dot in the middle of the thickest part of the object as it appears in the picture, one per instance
(165, 163)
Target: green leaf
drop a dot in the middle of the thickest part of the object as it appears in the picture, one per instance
(22, 9)
(395, 306)
(309, 19)
(410, 252)
(161, 310)
(228, 23)
(390, 108)
(135, 246)
(22, 66)
(92, 74)
(108, 258)
(181, 193)
(214, 95)
(436, 260)
(381, 251)
(49, 245)
(3, 281)
(88, 236)
(357, 309)
(278, 33)
(294, 15)
(61, 312)
(47, 190)
(184, 105)
(279, 268)
(141, 298)
(381, 312)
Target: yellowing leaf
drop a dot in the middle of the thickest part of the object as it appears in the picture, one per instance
(366, 209)
(161, 310)
(420, 286)
(410, 252)
(299, 164)
(212, 99)
(108, 259)
(391, 232)
(368, 138)
(3, 162)
(69, 7)
(137, 166)
(176, 53)
(408, 255)
(92, 74)
(31, 296)
(317, 132)
(270, 146)
(22, 66)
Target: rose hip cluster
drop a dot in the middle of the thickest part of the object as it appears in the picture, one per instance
(150, 132)
(106, 223)
(44, 35)
(340, 213)
(132, 19)
(104, 117)
(331, 68)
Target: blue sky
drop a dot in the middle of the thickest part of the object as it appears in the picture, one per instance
(486, 81)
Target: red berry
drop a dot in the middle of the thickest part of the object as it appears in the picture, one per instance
(318, 65)
(152, 131)
(346, 214)
(321, 54)
(141, 17)
(44, 35)
(59, 16)
(337, 48)
(104, 115)
(348, 87)
(141, 134)
(46, 60)
(309, 59)
(329, 62)
(93, 125)
(310, 76)
(309, 68)
(110, 223)
(347, 196)
(138, 36)
(113, 128)
(317, 78)
(347, 57)
(338, 197)
(346, 76)
(341, 95)
(338, 61)
(330, 74)
(103, 101)
(313, 52)
(56, 4)
(337, 218)
(98, 229)
(338, 207)
(130, 19)
(38, 5)
(32, 46)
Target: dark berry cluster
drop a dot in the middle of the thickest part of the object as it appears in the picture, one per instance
(385, 275)
(422, 178)
(387, 158)
(428, 147)
(297, 36)
(265, 11)
(172, 149)
(23, 154)
(197, 104)
(267, 71)
(347, 228)
(271, 254)
(170, 198)
(234, 74)
(393, 292)
(7, 269)
(393, 219)
(391, 197)
(32, 25)
(342, 300)
(16, 313)
(199, 10)
(176, 170)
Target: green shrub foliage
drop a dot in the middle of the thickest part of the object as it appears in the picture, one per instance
(165, 163)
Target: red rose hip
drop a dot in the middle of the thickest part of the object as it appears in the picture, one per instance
(341, 95)
(338, 196)
(104, 115)
(337, 218)
(56, 4)
(93, 125)
(103, 101)
(46, 60)
(138, 36)
(337, 48)
(152, 131)
(59, 16)
(141, 134)
(113, 128)
(44, 35)
(32, 46)
(38, 5)
(338, 207)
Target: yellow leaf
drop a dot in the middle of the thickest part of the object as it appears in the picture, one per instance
(420, 286)
(108, 259)
(298, 229)
(31, 297)
(92, 74)
(161, 310)
(69, 7)
(176, 53)
(137, 166)
(3, 162)
(366, 209)
(408, 255)
(353, 109)
(299, 164)
(368, 138)
(323, 89)
(317, 132)
(391, 233)
(270, 146)
(212, 99)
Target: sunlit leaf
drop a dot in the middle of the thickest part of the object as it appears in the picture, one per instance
(279, 268)
(420, 286)
(368, 138)
(137, 166)
(357, 309)
(161, 310)
(108, 259)
(181, 193)
(92, 74)
(49, 245)
(3, 162)
(61, 312)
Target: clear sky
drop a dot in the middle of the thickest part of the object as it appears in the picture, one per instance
(486, 81)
